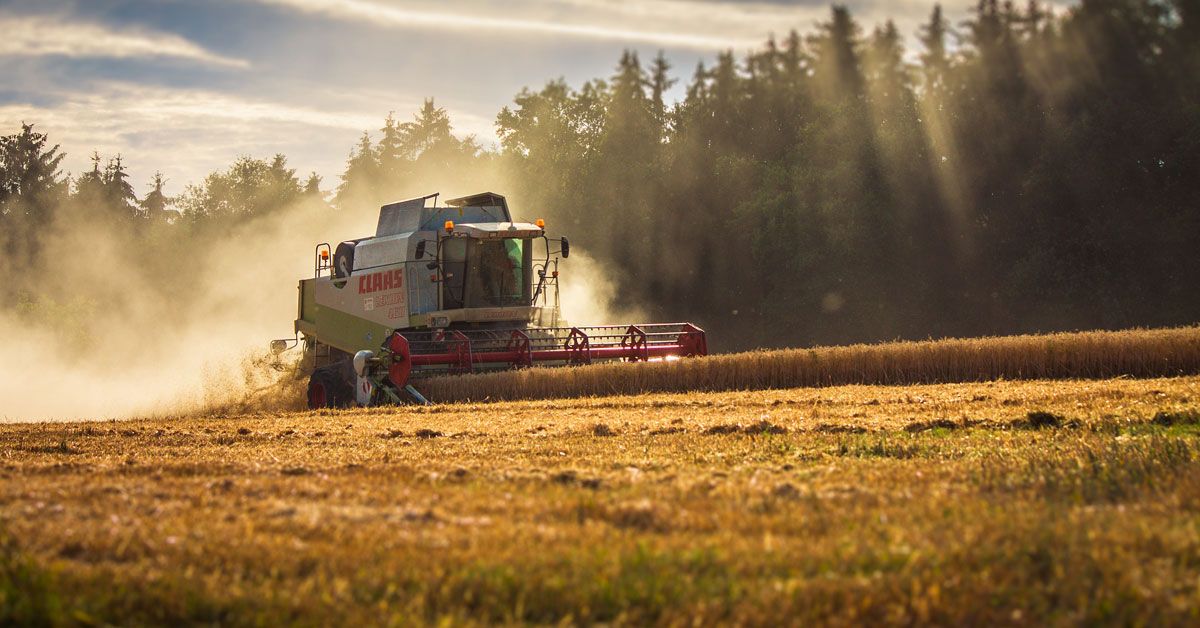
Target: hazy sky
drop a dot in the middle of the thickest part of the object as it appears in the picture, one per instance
(186, 86)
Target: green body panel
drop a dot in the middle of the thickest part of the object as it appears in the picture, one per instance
(306, 310)
(337, 329)
(347, 332)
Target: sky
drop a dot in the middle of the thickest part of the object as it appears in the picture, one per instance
(187, 86)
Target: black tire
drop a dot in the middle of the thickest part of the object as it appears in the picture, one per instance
(327, 388)
(343, 259)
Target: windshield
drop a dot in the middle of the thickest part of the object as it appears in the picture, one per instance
(486, 273)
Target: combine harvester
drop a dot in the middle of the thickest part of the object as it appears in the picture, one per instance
(447, 290)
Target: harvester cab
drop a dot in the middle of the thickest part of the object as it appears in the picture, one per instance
(450, 289)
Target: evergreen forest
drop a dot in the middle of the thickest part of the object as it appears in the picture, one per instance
(1019, 171)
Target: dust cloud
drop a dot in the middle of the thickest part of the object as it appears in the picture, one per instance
(588, 294)
(177, 331)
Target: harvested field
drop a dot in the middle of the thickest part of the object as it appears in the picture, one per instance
(1096, 354)
(1001, 503)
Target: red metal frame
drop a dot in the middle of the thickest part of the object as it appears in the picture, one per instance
(578, 347)
(635, 342)
(401, 366)
(518, 344)
(693, 341)
(455, 351)
(463, 360)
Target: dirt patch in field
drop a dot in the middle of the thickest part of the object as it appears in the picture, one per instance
(754, 429)
(600, 429)
(940, 424)
(1183, 417)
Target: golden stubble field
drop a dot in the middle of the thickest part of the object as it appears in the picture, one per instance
(1007, 502)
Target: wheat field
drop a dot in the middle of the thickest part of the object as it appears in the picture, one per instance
(1078, 355)
(1013, 502)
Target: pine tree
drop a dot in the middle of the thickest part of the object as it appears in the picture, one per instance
(394, 155)
(935, 61)
(90, 193)
(632, 128)
(31, 189)
(885, 60)
(660, 82)
(31, 183)
(154, 206)
(792, 56)
(283, 187)
(835, 49)
(312, 186)
(434, 149)
(429, 130)
(360, 180)
(631, 151)
(119, 197)
(1035, 18)
(27, 166)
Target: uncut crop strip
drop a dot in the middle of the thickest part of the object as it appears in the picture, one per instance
(1079, 355)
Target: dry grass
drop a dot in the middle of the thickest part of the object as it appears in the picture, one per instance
(263, 381)
(1097, 355)
(989, 503)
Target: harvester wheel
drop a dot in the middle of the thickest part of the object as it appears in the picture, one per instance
(327, 389)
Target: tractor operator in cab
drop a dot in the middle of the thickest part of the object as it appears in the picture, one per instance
(494, 273)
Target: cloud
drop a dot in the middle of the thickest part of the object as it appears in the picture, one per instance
(187, 133)
(540, 18)
(42, 35)
(699, 25)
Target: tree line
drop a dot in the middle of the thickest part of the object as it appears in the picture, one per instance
(1018, 171)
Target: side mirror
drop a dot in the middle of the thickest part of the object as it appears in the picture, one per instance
(566, 248)
(421, 249)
